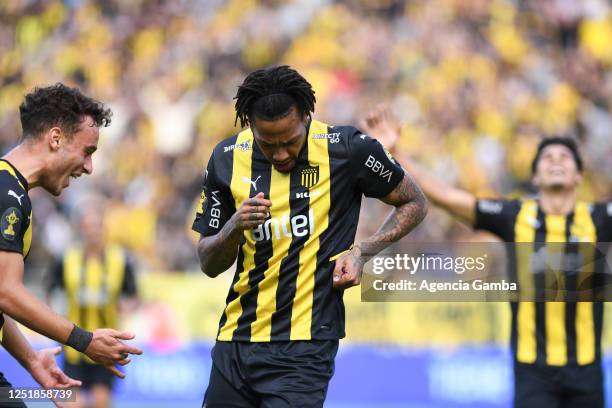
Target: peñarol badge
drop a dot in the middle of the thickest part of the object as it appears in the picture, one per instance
(10, 224)
(310, 176)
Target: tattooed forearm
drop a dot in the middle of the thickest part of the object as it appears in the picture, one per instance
(410, 209)
(218, 252)
(401, 221)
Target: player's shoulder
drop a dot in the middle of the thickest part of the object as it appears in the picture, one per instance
(602, 208)
(239, 142)
(221, 161)
(334, 134)
(500, 206)
(12, 191)
(339, 138)
(228, 145)
(223, 152)
(15, 208)
(608, 207)
(8, 180)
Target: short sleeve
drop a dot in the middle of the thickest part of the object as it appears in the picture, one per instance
(602, 217)
(215, 206)
(497, 216)
(13, 222)
(375, 171)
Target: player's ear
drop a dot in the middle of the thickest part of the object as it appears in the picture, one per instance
(54, 137)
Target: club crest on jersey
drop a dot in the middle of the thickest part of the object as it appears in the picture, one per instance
(310, 176)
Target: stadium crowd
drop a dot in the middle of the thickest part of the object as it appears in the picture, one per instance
(474, 85)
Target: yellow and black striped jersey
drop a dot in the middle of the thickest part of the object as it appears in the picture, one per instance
(16, 213)
(550, 333)
(93, 288)
(282, 288)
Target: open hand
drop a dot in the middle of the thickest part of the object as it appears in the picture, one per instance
(46, 372)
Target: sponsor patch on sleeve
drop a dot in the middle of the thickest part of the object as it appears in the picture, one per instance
(10, 225)
(490, 207)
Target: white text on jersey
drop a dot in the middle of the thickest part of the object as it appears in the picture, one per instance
(378, 168)
(275, 228)
(215, 212)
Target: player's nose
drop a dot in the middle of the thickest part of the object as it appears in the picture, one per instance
(280, 155)
(88, 166)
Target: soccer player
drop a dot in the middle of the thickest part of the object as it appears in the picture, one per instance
(94, 276)
(282, 199)
(60, 134)
(556, 345)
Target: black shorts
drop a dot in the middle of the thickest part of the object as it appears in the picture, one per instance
(538, 386)
(270, 375)
(90, 374)
(5, 400)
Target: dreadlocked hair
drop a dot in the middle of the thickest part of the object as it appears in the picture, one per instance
(270, 93)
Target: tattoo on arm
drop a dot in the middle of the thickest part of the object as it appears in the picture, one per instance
(410, 209)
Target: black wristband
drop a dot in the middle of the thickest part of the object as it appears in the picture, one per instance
(79, 339)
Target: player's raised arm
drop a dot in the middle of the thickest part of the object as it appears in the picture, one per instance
(460, 203)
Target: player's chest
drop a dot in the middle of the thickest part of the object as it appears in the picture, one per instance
(308, 184)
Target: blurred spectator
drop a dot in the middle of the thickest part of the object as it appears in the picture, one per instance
(100, 285)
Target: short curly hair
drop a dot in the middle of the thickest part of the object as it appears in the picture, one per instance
(62, 106)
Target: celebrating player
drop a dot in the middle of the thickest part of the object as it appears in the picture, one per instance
(556, 345)
(60, 134)
(282, 198)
